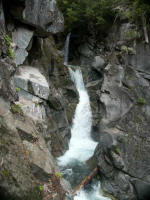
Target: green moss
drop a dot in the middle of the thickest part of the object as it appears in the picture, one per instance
(8, 39)
(58, 175)
(5, 172)
(11, 53)
(36, 103)
(141, 101)
(17, 89)
(16, 108)
(131, 34)
(40, 188)
(128, 50)
(124, 49)
(116, 150)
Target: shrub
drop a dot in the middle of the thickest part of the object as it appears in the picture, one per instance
(17, 89)
(8, 40)
(36, 103)
(116, 150)
(9, 43)
(16, 108)
(84, 14)
(141, 101)
(128, 50)
(11, 53)
(5, 172)
(40, 187)
(58, 175)
(131, 34)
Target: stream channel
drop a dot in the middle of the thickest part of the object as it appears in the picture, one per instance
(81, 146)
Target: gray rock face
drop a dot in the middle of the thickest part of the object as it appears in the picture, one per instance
(22, 38)
(7, 88)
(125, 118)
(141, 59)
(116, 100)
(42, 14)
(2, 19)
(85, 50)
(34, 111)
(3, 46)
(120, 96)
(98, 63)
(14, 163)
(31, 80)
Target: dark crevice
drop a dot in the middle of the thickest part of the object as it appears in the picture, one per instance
(35, 95)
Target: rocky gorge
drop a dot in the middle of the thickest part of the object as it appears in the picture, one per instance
(38, 100)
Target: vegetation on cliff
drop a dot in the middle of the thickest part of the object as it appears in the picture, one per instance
(88, 15)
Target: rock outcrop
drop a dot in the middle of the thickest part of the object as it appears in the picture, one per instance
(119, 89)
(44, 16)
(35, 102)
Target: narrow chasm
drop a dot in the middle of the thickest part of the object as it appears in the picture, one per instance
(74, 100)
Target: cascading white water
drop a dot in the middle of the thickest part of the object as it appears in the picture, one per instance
(81, 146)
(66, 50)
(92, 195)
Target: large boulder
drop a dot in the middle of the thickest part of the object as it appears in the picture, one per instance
(22, 38)
(32, 81)
(42, 14)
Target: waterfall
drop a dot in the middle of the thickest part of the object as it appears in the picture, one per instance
(81, 145)
(66, 50)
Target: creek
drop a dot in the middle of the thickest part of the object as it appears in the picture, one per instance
(73, 163)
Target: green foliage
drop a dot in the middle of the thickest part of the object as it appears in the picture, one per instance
(58, 175)
(36, 103)
(16, 108)
(5, 172)
(116, 150)
(10, 50)
(138, 9)
(124, 49)
(141, 101)
(8, 39)
(17, 89)
(86, 14)
(11, 53)
(40, 187)
(127, 50)
(131, 34)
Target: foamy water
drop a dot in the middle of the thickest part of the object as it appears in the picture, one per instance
(81, 146)
(92, 195)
